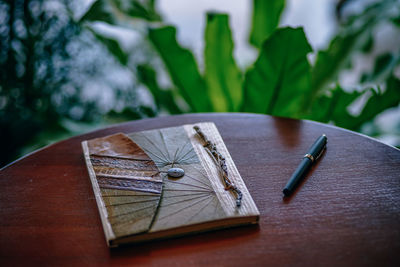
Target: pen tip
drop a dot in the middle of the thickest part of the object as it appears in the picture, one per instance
(286, 192)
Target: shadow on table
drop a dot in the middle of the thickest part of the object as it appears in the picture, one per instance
(209, 241)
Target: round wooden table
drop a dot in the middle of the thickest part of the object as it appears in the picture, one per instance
(346, 211)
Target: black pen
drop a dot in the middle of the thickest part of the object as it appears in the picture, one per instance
(311, 157)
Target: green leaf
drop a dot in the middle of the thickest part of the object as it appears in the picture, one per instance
(330, 62)
(377, 103)
(368, 45)
(223, 77)
(182, 68)
(396, 21)
(353, 36)
(383, 69)
(117, 11)
(163, 98)
(100, 10)
(139, 9)
(332, 106)
(113, 47)
(266, 14)
(279, 82)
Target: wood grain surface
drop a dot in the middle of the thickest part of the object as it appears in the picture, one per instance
(346, 212)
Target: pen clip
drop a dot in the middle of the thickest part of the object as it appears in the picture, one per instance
(320, 153)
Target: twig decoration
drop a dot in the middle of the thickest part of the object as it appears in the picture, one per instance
(221, 164)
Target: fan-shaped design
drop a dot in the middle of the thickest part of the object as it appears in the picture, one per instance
(187, 200)
(129, 181)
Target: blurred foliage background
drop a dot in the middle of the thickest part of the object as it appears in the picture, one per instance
(71, 66)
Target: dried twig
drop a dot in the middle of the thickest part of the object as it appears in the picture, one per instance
(221, 164)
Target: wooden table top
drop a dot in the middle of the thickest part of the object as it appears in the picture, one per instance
(347, 211)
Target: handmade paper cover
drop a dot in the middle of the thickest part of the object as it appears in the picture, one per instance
(138, 200)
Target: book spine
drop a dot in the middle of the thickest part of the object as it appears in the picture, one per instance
(108, 232)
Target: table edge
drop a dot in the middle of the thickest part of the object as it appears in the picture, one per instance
(198, 115)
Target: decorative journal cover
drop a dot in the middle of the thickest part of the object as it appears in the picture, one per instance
(166, 182)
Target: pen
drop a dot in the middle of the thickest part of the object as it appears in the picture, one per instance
(310, 158)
